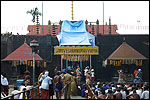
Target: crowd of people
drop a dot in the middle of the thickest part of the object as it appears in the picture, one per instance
(111, 90)
(72, 81)
(25, 85)
(103, 90)
(137, 78)
(65, 82)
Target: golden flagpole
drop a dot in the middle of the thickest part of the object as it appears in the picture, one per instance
(72, 10)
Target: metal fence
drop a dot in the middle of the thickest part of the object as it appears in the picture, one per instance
(32, 93)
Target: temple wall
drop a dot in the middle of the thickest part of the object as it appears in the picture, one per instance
(107, 44)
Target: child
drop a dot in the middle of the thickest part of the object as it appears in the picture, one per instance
(58, 88)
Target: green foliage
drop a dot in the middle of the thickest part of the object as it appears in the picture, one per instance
(34, 12)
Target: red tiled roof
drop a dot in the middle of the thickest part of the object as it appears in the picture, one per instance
(34, 41)
(22, 53)
(125, 51)
(106, 29)
(32, 29)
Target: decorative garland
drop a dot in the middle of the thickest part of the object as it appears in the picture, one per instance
(39, 63)
(124, 61)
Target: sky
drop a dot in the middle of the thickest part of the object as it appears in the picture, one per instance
(131, 17)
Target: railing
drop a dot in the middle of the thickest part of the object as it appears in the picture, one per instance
(32, 93)
(91, 94)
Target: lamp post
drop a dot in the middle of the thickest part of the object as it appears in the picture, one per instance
(33, 45)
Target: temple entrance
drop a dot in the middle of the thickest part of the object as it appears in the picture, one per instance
(75, 64)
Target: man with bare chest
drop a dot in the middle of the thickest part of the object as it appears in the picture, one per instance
(121, 76)
(134, 95)
(88, 78)
(118, 94)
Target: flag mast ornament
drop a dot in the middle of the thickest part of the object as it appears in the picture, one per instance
(25, 41)
(72, 11)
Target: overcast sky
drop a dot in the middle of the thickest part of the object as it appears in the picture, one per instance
(128, 15)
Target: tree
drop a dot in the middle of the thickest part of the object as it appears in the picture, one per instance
(35, 13)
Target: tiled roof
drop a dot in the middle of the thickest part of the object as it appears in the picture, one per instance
(106, 29)
(22, 53)
(125, 51)
(32, 29)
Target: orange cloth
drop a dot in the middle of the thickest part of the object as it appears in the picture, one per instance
(44, 94)
(135, 73)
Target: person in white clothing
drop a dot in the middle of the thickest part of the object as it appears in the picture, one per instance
(46, 81)
(145, 94)
(85, 71)
(139, 91)
(16, 91)
(92, 75)
(22, 88)
(2, 93)
(28, 87)
(4, 83)
(123, 92)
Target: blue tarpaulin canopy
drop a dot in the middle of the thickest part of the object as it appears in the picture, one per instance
(75, 34)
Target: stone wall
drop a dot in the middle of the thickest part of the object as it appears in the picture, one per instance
(107, 44)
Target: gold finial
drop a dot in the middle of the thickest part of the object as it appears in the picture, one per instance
(124, 38)
(25, 41)
(72, 10)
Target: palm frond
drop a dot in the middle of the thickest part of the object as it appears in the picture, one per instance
(31, 11)
(40, 13)
(28, 11)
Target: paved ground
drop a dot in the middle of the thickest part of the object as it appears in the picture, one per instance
(72, 97)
